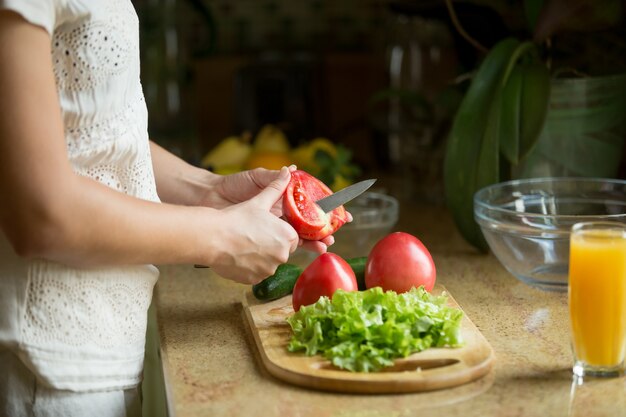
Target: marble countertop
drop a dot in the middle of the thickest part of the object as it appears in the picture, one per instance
(212, 368)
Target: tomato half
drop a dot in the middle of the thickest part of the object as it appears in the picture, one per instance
(398, 262)
(300, 210)
(325, 275)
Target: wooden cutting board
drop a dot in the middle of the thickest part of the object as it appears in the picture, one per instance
(431, 369)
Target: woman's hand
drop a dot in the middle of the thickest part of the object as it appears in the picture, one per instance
(235, 188)
(226, 190)
(253, 241)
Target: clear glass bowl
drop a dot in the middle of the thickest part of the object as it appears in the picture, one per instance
(527, 222)
(374, 215)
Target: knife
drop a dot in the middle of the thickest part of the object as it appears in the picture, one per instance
(337, 199)
(344, 195)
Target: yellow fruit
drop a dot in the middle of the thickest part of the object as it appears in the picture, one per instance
(304, 155)
(269, 160)
(271, 139)
(323, 144)
(228, 170)
(339, 183)
(233, 151)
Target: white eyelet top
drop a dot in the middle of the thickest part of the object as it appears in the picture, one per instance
(84, 329)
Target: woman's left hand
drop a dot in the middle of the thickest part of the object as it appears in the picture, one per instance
(227, 190)
(242, 186)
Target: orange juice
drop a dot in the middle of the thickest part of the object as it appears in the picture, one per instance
(597, 294)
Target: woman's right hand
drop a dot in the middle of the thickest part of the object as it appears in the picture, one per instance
(251, 241)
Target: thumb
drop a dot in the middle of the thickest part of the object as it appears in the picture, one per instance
(274, 191)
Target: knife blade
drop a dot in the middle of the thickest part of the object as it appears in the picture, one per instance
(344, 195)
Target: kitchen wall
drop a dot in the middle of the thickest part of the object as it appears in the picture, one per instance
(259, 25)
(213, 68)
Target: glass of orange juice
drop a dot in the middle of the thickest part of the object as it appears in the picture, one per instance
(597, 297)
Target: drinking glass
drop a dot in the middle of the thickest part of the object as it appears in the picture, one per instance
(597, 297)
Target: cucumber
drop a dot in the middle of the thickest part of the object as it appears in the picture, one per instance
(284, 279)
(279, 284)
(358, 266)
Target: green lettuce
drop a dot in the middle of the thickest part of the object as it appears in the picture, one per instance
(366, 330)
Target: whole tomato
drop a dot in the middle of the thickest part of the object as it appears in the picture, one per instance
(301, 211)
(398, 262)
(325, 275)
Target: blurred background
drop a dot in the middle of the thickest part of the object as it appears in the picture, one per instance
(373, 83)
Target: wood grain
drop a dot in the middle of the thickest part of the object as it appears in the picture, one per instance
(432, 369)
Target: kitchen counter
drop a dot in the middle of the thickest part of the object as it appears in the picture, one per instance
(212, 368)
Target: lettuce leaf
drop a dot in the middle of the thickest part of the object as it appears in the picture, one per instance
(366, 330)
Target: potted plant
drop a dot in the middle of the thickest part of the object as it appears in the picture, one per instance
(533, 110)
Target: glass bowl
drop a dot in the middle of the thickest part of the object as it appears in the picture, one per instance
(374, 215)
(527, 222)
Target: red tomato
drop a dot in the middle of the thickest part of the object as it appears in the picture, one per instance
(398, 262)
(303, 214)
(325, 275)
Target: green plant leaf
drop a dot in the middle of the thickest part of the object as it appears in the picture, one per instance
(534, 105)
(327, 166)
(470, 161)
(509, 126)
(330, 166)
(532, 9)
(487, 122)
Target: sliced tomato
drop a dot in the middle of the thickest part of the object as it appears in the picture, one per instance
(300, 210)
(325, 275)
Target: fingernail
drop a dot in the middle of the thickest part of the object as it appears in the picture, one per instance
(284, 172)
